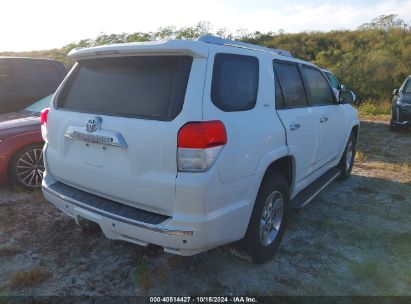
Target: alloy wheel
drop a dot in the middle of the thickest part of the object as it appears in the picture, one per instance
(271, 218)
(30, 168)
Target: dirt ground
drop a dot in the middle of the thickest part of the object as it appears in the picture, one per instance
(353, 239)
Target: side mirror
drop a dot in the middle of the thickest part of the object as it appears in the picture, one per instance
(346, 96)
(395, 92)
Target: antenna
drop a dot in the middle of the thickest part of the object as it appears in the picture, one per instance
(221, 41)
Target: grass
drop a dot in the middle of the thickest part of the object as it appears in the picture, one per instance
(143, 275)
(401, 168)
(29, 278)
(360, 156)
(369, 107)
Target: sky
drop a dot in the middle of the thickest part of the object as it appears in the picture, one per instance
(44, 24)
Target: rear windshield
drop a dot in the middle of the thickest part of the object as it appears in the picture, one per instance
(150, 87)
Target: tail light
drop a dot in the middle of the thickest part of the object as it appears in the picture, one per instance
(199, 145)
(43, 118)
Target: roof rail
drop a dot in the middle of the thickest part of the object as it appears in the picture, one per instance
(221, 41)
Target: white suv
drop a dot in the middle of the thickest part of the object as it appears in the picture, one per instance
(190, 145)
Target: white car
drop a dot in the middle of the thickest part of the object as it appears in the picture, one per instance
(190, 145)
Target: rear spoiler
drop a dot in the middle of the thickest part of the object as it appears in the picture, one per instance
(172, 47)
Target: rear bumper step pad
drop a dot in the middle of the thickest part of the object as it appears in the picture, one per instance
(103, 206)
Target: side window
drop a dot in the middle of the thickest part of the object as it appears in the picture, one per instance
(235, 82)
(321, 92)
(291, 84)
(279, 100)
(333, 80)
(407, 87)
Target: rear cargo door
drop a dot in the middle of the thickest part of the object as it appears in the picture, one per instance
(114, 132)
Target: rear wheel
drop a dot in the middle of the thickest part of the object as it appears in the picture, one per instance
(268, 221)
(347, 159)
(27, 167)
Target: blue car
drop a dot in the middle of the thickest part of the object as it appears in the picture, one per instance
(401, 106)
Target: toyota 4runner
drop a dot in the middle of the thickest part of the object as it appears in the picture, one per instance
(190, 145)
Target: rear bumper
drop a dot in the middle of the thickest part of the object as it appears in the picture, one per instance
(181, 234)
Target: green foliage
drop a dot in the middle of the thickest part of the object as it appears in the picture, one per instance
(375, 108)
(372, 60)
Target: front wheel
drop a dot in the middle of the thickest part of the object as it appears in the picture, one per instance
(27, 167)
(393, 127)
(347, 159)
(268, 221)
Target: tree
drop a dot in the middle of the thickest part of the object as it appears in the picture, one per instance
(386, 23)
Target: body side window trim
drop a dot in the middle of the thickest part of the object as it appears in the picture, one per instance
(276, 80)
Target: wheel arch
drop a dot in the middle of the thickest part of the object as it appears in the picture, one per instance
(285, 166)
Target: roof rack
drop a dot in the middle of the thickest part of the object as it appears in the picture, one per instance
(221, 41)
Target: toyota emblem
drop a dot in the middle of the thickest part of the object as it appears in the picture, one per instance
(93, 124)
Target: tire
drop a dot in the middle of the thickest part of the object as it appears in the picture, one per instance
(26, 167)
(393, 127)
(258, 246)
(347, 159)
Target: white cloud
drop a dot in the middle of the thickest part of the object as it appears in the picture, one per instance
(43, 24)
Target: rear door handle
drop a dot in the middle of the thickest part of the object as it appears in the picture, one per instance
(323, 119)
(294, 126)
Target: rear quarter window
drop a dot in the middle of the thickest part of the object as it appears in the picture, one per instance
(235, 82)
(148, 87)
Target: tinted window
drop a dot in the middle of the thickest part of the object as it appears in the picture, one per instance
(151, 87)
(6, 77)
(291, 84)
(333, 80)
(38, 78)
(321, 92)
(407, 87)
(235, 82)
(279, 101)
